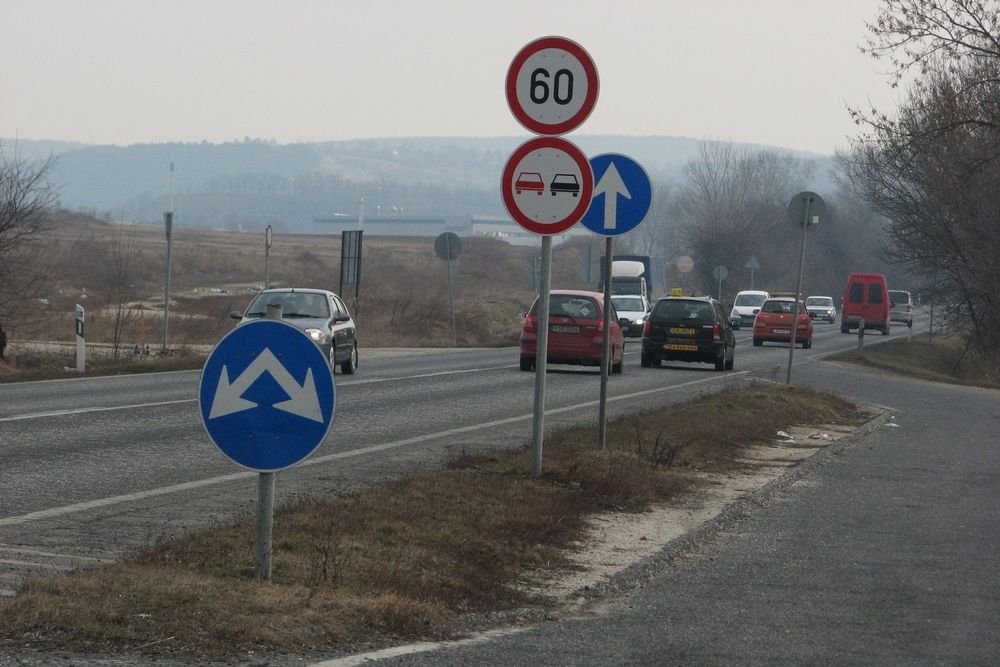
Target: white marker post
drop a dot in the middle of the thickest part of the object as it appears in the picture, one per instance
(81, 348)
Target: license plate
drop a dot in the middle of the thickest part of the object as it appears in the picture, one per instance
(782, 331)
(681, 331)
(685, 348)
(562, 328)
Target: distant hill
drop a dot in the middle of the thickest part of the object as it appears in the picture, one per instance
(253, 183)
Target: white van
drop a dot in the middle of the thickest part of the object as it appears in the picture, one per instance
(745, 307)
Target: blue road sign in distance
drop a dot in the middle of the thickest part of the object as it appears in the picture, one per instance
(267, 395)
(622, 195)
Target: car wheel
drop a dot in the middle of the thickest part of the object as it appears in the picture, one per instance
(720, 363)
(351, 365)
(527, 363)
(757, 342)
(731, 362)
(844, 328)
(618, 368)
(645, 361)
(885, 330)
(806, 344)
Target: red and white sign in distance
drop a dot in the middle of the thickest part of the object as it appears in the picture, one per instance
(552, 85)
(547, 185)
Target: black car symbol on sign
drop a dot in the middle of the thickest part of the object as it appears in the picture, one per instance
(565, 183)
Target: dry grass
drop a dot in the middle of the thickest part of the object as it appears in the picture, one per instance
(408, 561)
(942, 359)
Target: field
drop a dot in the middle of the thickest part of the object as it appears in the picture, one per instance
(118, 274)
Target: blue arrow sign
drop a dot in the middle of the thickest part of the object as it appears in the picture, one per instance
(622, 195)
(267, 395)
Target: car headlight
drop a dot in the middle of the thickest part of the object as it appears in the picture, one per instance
(317, 335)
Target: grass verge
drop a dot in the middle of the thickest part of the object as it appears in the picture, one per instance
(413, 560)
(941, 359)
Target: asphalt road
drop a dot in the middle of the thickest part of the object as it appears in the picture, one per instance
(884, 555)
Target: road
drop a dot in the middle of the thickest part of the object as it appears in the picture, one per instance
(97, 467)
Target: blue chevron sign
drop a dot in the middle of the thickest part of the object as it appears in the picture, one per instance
(267, 395)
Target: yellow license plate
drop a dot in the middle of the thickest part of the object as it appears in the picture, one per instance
(681, 331)
(685, 348)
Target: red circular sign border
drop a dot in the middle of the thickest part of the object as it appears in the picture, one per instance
(589, 102)
(586, 188)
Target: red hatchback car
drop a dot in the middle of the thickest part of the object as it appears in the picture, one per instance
(774, 323)
(576, 328)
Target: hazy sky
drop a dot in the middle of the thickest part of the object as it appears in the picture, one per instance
(778, 72)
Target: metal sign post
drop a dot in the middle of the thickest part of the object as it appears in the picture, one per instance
(267, 257)
(547, 183)
(805, 209)
(448, 246)
(168, 223)
(627, 196)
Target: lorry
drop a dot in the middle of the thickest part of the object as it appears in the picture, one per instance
(635, 274)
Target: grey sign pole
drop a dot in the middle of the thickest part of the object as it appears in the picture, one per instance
(168, 223)
(541, 353)
(267, 258)
(602, 417)
(265, 500)
(805, 209)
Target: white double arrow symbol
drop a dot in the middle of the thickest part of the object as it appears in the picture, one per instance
(302, 401)
(612, 185)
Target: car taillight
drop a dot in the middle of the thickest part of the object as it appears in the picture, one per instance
(647, 328)
(530, 323)
(717, 331)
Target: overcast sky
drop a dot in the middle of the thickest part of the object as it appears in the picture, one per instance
(776, 72)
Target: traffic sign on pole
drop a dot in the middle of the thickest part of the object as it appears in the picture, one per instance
(547, 185)
(622, 195)
(552, 85)
(267, 395)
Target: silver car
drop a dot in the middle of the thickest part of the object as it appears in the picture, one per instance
(321, 314)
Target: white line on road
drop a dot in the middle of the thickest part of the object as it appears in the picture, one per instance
(188, 486)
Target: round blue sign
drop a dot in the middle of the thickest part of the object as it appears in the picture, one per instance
(622, 195)
(267, 395)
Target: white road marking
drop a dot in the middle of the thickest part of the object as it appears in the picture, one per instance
(54, 512)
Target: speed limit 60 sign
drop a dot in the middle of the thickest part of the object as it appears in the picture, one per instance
(552, 85)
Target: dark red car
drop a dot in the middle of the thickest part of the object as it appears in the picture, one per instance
(576, 328)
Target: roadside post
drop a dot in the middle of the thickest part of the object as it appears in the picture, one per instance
(271, 425)
(551, 88)
(448, 246)
(267, 257)
(805, 209)
(168, 224)
(626, 195)
(81, 347)
(861, 335)
(720, 273)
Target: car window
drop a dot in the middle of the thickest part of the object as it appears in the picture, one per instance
(628, 303)
(875, 293)
(749, 300)
(819, 301)
(778, 307)
(690, 311)
(571, 306)
(857, 293)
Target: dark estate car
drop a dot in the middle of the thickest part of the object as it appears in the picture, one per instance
(321, 314)
(693, 329)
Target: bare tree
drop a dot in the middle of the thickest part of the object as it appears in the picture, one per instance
(931, 167)
(123, 274)
(26, 201)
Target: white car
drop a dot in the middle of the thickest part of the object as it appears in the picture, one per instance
(821, 308)
(745, 307)
(635, 308)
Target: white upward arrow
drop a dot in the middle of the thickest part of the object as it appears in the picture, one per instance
(612, 185)
(303, 400)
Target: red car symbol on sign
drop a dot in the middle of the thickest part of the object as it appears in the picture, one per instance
(529, 180)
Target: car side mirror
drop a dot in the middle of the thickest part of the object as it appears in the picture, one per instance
(236, 315)
(756, 310)
(624, 322)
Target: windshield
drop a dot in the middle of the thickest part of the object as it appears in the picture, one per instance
(819, 301)
(629, 303)
(293, 305)
(753, 300)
